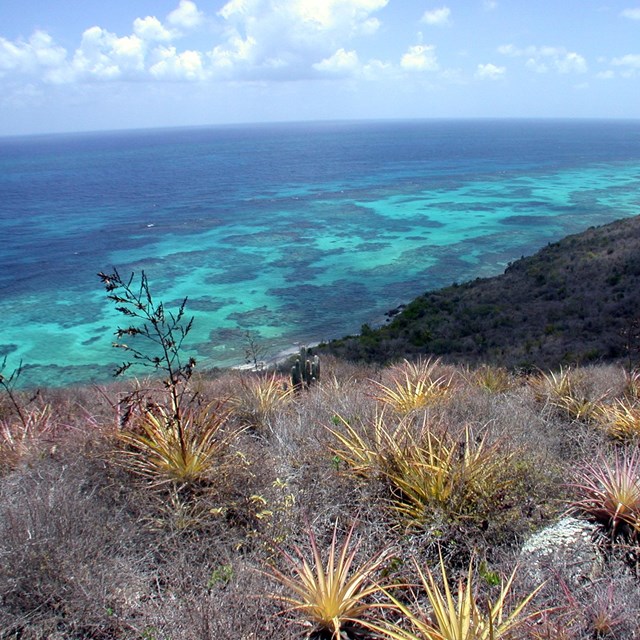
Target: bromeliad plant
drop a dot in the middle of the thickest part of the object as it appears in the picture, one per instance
(565, 391)
(620, 420)
(459, 617)
(428, 470)
(414, 385)
(331, 596)
(162, 451)
(492, 379)
(175, 441)
(609, 492)
(370, 449)
(260, 397)
(458, 479)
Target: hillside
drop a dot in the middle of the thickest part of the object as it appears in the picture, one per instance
(220, 505)
(576, 301)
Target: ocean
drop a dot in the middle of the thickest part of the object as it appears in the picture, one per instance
(288, 233)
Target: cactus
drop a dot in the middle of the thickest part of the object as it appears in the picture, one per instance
(306, 370)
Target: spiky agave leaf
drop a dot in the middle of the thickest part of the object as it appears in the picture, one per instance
(610, 491)
(332, 594)
(413, 386)
(459, 617)
(185, 451)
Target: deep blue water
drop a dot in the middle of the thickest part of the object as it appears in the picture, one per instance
(295, 232)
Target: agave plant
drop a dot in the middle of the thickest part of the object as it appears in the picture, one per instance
(186, 451)
(610, 492)
(457, 618)
(447, 475)
(621, 420)
(260, 397)
(373, 448)
(334, 595)
(413, 386)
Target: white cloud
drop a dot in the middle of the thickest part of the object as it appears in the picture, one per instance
(632, 14)
(376, 69)
(437, 17)
(605, 75)
(151, 29)
(490, 71)
(420, 57)
(542, 59)
(37, 54)
(256, 40)
(261, 35)
(571, 63)
(341, 62)
(490, 5)
(186, 16)
(102, 55)
(172, 65)
(631, 60)
(536, 65)
(237, 51)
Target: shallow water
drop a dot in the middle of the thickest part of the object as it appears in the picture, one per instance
(297, 233)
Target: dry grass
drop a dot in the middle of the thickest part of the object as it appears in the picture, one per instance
(174, 543)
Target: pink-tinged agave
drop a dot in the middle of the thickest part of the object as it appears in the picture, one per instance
(609, 492)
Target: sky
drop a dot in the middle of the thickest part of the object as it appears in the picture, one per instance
(78, 65)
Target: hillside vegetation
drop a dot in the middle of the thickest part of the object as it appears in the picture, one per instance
(338, 500)
(576, 301)
(422, 471)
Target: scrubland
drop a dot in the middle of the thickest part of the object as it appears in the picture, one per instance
(379, 502)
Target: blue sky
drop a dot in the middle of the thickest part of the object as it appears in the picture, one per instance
(74, 65)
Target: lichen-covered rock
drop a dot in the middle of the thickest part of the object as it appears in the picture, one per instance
(567, 549)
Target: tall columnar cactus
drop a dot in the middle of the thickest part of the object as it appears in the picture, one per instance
(306, 370)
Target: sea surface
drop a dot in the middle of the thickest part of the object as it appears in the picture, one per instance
(289, 233)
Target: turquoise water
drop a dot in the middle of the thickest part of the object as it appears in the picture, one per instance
(297, 233)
